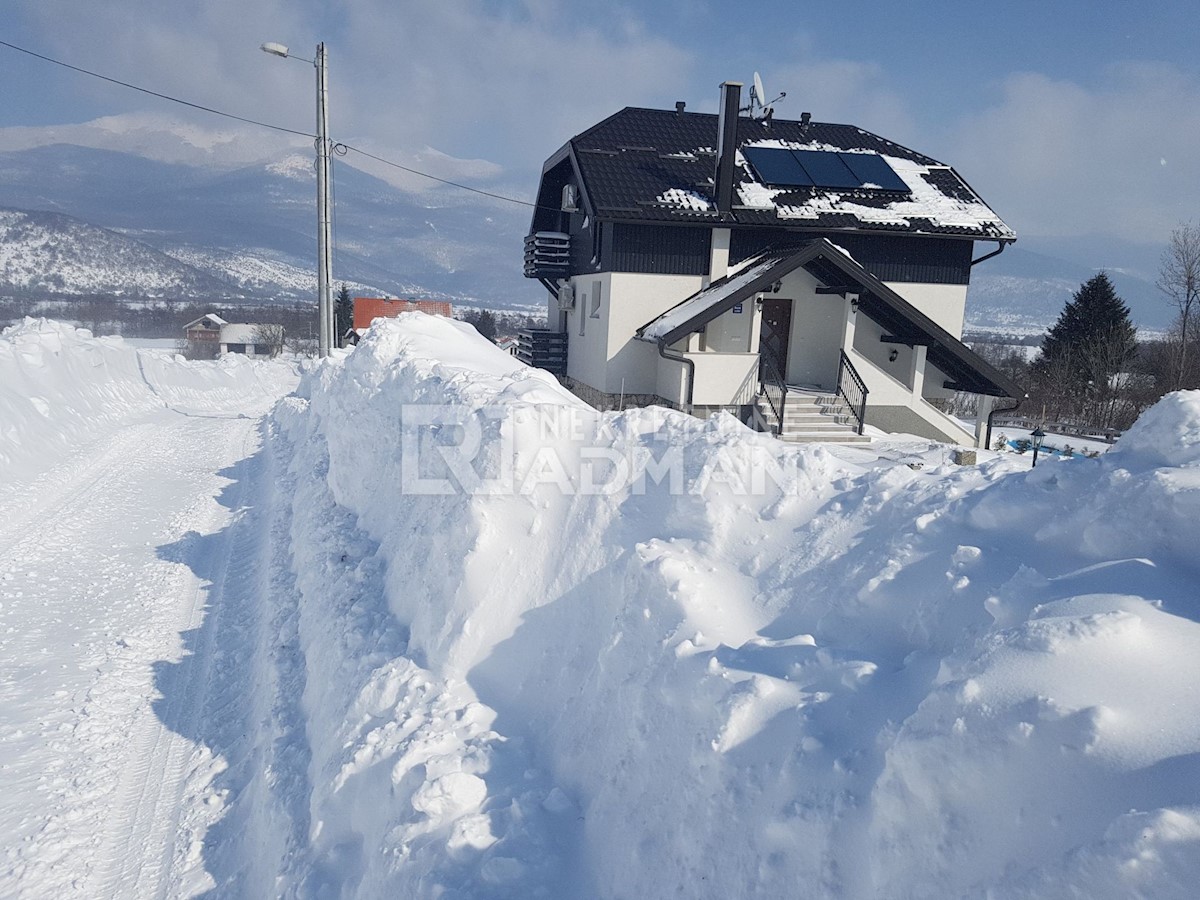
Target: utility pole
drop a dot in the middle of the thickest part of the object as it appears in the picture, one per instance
(325, 335)
(324, 219)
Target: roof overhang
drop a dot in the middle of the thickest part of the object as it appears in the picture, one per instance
(839, 273)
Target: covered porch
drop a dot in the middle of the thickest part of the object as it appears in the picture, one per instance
(809, 319)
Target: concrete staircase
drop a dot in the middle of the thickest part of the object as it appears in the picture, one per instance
(813, 416)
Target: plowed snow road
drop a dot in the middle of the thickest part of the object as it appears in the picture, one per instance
(134, 613)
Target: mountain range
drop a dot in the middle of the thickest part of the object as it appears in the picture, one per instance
(94, 220)
(86, 220)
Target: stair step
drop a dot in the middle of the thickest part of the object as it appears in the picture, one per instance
(825, 437)
(810, 417)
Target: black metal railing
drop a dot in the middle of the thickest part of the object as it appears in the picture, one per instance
(852, 389)
(773, 386)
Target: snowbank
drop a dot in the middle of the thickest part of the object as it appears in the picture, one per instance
(60, 387)
(553, 652)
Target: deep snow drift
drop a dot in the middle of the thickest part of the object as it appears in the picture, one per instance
(133, 495)
(438, 629)
(553, 652)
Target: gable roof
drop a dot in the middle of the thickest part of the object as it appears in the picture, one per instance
(833, 267)
(657, 165)
(367, 309)
(209, 317)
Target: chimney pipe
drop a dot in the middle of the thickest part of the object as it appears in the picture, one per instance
(680, 105)
(727, 124)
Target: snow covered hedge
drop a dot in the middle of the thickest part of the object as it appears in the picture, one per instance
(552, 652)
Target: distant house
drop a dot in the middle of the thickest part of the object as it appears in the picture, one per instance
(368, 309)
(251, 339)
(809, 277)
(509, 345)
(203, 336)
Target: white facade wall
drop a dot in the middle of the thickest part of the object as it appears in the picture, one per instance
(731, 331)
(724, 379)
(946, 304)
(605, 356)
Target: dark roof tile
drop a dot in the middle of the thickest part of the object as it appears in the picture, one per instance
(658, 165)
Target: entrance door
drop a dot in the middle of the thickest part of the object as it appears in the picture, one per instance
(773, 339)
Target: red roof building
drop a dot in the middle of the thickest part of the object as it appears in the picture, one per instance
(367, 309)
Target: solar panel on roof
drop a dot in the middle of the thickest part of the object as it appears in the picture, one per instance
(873, 170)
(776, 166)
(827, 169)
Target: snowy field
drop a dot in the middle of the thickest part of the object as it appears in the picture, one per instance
(428, 626)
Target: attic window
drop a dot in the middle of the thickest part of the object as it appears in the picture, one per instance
(822, 168)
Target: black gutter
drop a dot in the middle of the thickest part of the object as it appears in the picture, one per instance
(987, 438)
(996, 252)
(691, 376)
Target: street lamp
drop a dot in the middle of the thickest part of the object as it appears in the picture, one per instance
(1038, 436)
(324, 220)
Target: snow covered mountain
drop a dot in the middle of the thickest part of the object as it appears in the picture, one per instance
(243, 233)
(46, 253)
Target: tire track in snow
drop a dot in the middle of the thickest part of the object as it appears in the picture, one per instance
(143, 839)
(95, 776)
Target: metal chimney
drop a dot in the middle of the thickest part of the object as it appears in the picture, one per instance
(727, 123)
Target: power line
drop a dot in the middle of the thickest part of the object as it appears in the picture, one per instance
(218, 112)
(395, 165)
(134, 87)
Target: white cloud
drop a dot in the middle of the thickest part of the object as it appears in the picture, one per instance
(507, 83)
(843, 91)
(1057, 158)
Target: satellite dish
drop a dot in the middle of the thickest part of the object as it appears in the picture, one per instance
(760, 96)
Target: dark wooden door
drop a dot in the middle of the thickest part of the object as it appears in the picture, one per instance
(773, 337)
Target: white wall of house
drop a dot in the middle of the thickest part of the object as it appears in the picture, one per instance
(605, 355)
(731, 331)
(944, 303)
(724, 379)
(907, 382)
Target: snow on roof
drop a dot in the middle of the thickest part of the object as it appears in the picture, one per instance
(239, 333)
(709, 297)
(958, 209)
(210, 317)
(685, 199)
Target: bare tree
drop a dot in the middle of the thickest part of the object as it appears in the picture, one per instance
(1179, 279)
(269, 336)
(301, 345)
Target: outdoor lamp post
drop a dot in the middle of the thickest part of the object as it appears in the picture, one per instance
(1038, 436)
(324, 220)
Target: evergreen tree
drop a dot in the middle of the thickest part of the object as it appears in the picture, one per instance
(1090, 343)
(343, 314)
(484, 321)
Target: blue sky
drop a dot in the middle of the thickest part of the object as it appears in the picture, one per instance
(1070, 118)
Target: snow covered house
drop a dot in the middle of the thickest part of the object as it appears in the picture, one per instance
(809, 277)
(203, 336)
